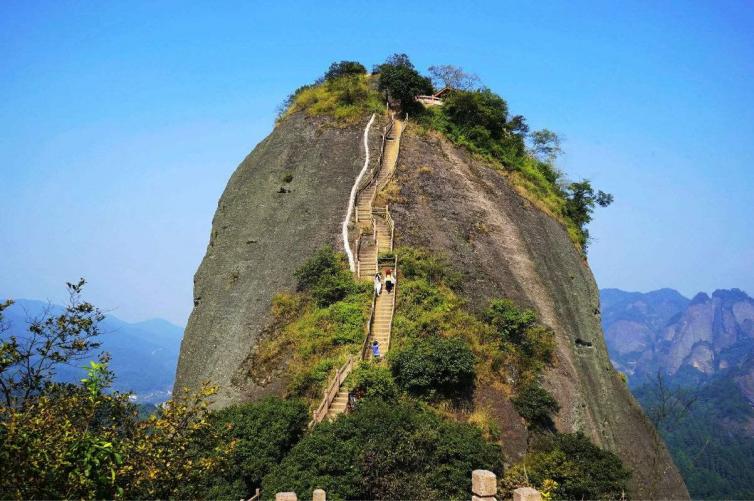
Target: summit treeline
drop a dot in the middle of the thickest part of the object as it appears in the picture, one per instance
(472, 116)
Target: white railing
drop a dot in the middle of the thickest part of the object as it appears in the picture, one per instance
(429, 100)
(342, 373)
(352, 199)
(375, 172)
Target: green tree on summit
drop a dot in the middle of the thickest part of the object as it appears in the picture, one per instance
(344, 68)
(402, 82)
(580, 203)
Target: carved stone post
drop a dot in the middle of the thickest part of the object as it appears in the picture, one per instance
(319, 495)
(526, 494)
(286, 496)
(483, 485)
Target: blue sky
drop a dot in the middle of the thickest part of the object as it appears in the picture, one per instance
(121, 122)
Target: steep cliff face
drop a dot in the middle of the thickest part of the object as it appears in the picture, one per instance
(447, 202)
(284, 201)
(506, 247)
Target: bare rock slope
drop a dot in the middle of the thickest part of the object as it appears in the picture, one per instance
(448, 202)
(506, 247)
(266, 226)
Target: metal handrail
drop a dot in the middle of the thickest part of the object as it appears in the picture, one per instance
(392, 173)
(391, 224)
(365, 344)
(395, 293)
(375, 171)
(342, 373)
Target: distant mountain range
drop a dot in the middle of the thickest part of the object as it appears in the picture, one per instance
(692, 339)
(144, 354)
(704, 349)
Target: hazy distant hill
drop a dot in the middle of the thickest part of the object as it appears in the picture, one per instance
(705, 346)
(693, 339)
(144, 354)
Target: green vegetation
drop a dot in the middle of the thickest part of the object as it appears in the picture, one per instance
(326, 277)
(347, 98)
(703, 429)
(537, 406)
(479, 121)
(343, 69)
(27, 364)
(81, 442)
(318, 327)
(472, 117)
(262, 433)
(511, 351)
(401, 440)
(369, 381)
(528, 344)
(401, 82)
(386, 451)
(569, 466)
(435, 366)
(506, 341)
(580, 202)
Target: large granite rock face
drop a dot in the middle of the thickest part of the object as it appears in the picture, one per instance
(503, 245)
(506, 247)
(260, 235)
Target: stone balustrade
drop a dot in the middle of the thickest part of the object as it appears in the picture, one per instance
(483, 488)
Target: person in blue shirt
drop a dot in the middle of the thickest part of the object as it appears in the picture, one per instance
(375, 349)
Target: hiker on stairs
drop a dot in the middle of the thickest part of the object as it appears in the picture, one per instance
(375, 350)
(377, 283)
(389, 281)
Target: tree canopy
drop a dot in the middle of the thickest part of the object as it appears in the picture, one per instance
(452, 77)
(402, 82)
(344, 68)
(386, 451)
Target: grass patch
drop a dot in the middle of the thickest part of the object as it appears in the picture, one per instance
(347, 99)
(510, 348)
(317, 327)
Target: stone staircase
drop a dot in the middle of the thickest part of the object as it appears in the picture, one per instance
(377, 222)
(338, 406)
